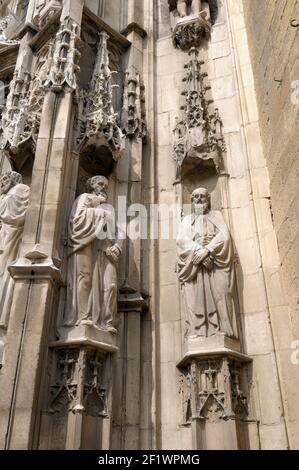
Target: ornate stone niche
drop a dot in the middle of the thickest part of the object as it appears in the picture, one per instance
(191, 21)
(198, 136)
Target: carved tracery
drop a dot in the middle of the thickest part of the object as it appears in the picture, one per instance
(198, 134)
(96, 122)
(213, 389)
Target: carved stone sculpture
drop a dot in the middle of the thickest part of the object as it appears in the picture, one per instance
(14, 199)
(20, 123)
(4, 41)
(214, 389)
(198, 135)
(96, 120)
(79, 383)
(133, 112)
(93, 260)
(205, 270)
(45, 10)
(66, 57)
(191, 23)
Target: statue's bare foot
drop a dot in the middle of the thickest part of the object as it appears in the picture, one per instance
(86, 321)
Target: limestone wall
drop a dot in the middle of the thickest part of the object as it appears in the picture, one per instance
(274, 53)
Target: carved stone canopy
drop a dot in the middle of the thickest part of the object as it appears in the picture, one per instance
(198, 134)
(96, 120)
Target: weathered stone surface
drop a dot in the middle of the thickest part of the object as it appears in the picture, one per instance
(89, 82)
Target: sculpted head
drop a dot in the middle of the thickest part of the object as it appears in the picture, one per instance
(9, 180)
(201, 200)
(98, 185)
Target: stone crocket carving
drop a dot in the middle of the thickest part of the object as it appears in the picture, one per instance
(14, 199)
(205, 270)
(93, 260)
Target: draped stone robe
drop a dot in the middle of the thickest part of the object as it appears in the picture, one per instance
(92, 277)
(208, 293)
(13, 207)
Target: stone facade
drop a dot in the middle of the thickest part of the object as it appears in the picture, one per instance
(118, 341)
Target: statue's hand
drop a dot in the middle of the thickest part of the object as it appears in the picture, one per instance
(113, 254)
(208, 263)
(200, 256)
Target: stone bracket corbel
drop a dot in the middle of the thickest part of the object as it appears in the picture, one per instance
(136, 28)
(36, 267)
(130, 300)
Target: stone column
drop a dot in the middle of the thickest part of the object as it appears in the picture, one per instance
(37, 272)
(131, 302)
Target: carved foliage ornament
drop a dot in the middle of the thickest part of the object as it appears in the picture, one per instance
(198, 134)
(192, 21)
(192, 33)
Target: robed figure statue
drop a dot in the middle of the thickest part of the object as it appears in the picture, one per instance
(206, 271)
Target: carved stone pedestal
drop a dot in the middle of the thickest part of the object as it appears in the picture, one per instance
(88, 334)
(216, 344)
(190, 31)
(78, 403)
(215, 393)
